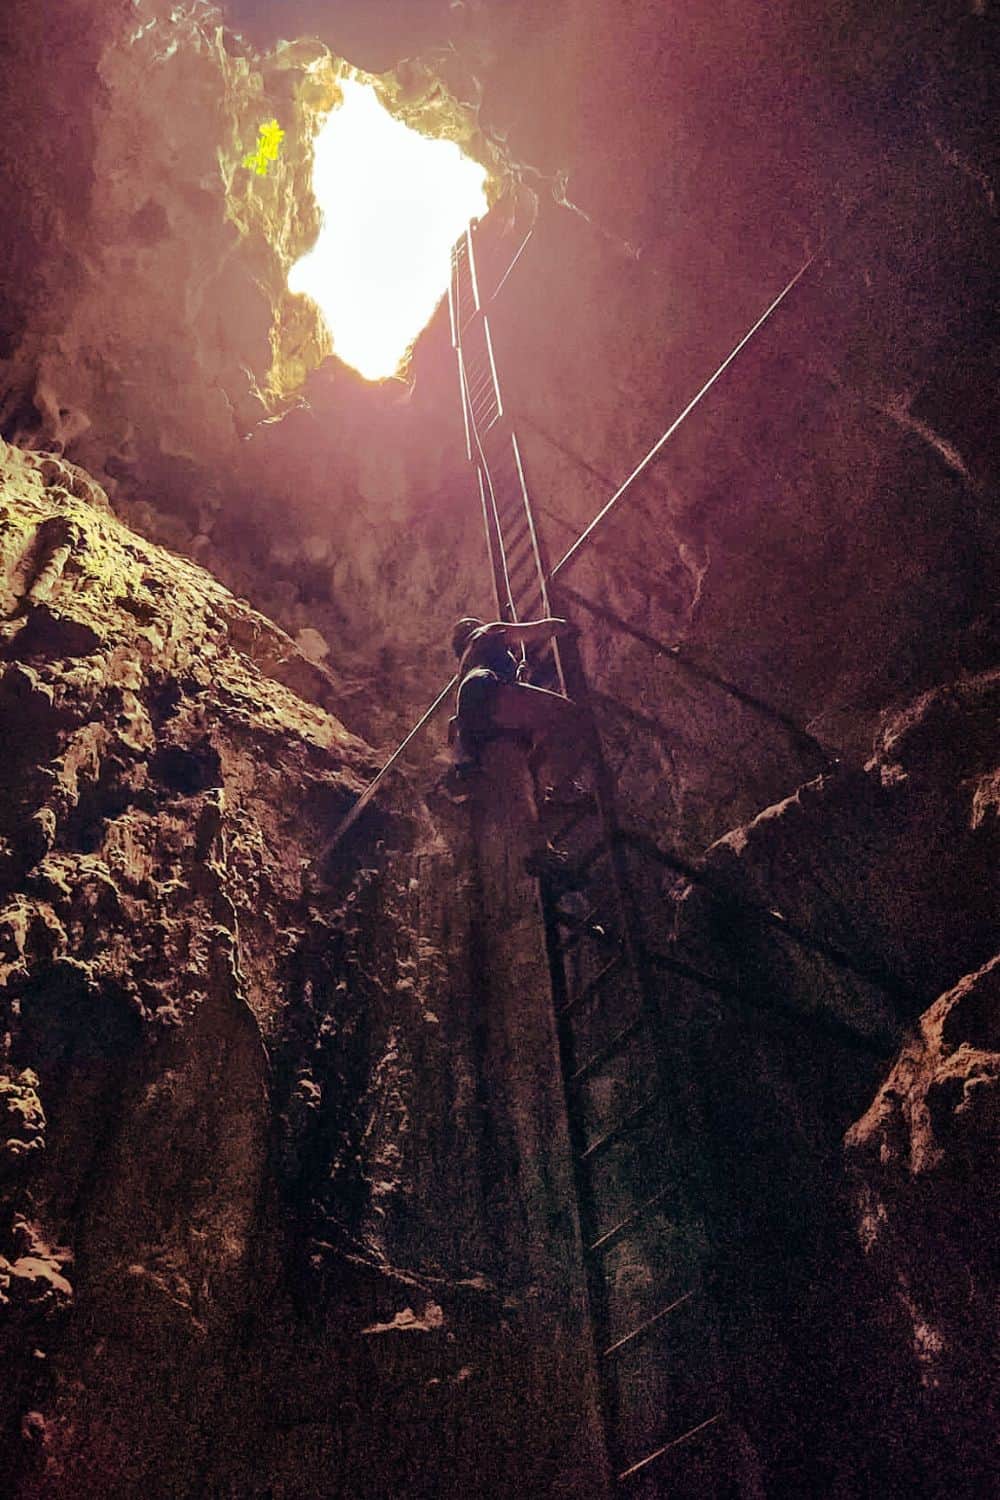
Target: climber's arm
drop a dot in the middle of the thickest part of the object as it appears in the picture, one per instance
(536, 632)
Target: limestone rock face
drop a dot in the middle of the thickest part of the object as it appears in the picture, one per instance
(281, 1163)
(152, 758)
(829, 923)
(249, 1177)
(924, 1158)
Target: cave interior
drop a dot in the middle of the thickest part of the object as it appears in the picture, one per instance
(616, 1114)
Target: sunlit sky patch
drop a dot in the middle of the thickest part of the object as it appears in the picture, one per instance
(393, 204)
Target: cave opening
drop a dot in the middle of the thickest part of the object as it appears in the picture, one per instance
(392, 201)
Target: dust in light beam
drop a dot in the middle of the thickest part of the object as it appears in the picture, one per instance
(393, 204)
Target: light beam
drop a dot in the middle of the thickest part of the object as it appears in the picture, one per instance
(393, 204)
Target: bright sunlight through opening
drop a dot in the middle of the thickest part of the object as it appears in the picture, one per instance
(393, 204)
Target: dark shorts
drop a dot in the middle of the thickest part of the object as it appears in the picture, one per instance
(476, 695)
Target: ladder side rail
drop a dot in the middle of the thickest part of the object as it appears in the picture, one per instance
(621, 880)
(488, 338)
(470, 250)
(483, 413)
(463, 300)
(490, 546)
(539, 564)
(453, 297)
(465, 404)
(494, 530)
(586, 1207)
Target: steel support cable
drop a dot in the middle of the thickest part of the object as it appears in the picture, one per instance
(661, 442)
(366, 796)
(351, 817)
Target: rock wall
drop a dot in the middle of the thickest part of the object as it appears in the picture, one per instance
(832, 922)
(262, 1114)
(282, 1178)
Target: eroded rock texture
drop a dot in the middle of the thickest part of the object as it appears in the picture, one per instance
(284, 1195)
(834, 919)
(264, 1229)
(135, 694)
(925, 1160)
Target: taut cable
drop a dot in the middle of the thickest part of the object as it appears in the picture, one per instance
(366, 796)
(588, 533)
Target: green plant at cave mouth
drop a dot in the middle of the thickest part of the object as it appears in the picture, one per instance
(269, 139)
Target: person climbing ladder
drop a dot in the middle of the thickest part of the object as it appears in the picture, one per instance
(493, 699)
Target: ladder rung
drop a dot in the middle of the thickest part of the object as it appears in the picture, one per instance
(512, 508)
(482, 392)
(590, 988)
(645, 1327)
(517, 535)
(531, 593)
(485, 410)
(674, 1443)
(477, 373)
(595, 932)
(631, 1120)
(519, 552)
(520, 557)
(477, 367)
(480, 389)
(611, 1236)
(508, 513)
(603, 1054)
(520, 585)
(478, 378)
(476, 359)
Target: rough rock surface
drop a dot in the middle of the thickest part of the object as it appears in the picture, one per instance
(924, 1158)
(818, 532)
(250, 1179)
(261, 1119)
(828, 924)
(139, 850)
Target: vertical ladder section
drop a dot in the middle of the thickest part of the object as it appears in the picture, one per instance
(644, 1257)
(516, 564)
(652, 1325)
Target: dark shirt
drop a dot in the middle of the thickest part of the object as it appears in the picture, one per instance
(487, 648)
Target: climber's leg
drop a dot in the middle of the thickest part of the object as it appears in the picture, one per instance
(562, 731)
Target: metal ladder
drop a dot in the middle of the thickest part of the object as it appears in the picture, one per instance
(651, 1323)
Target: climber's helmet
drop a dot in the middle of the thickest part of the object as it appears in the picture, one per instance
(462, 632)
